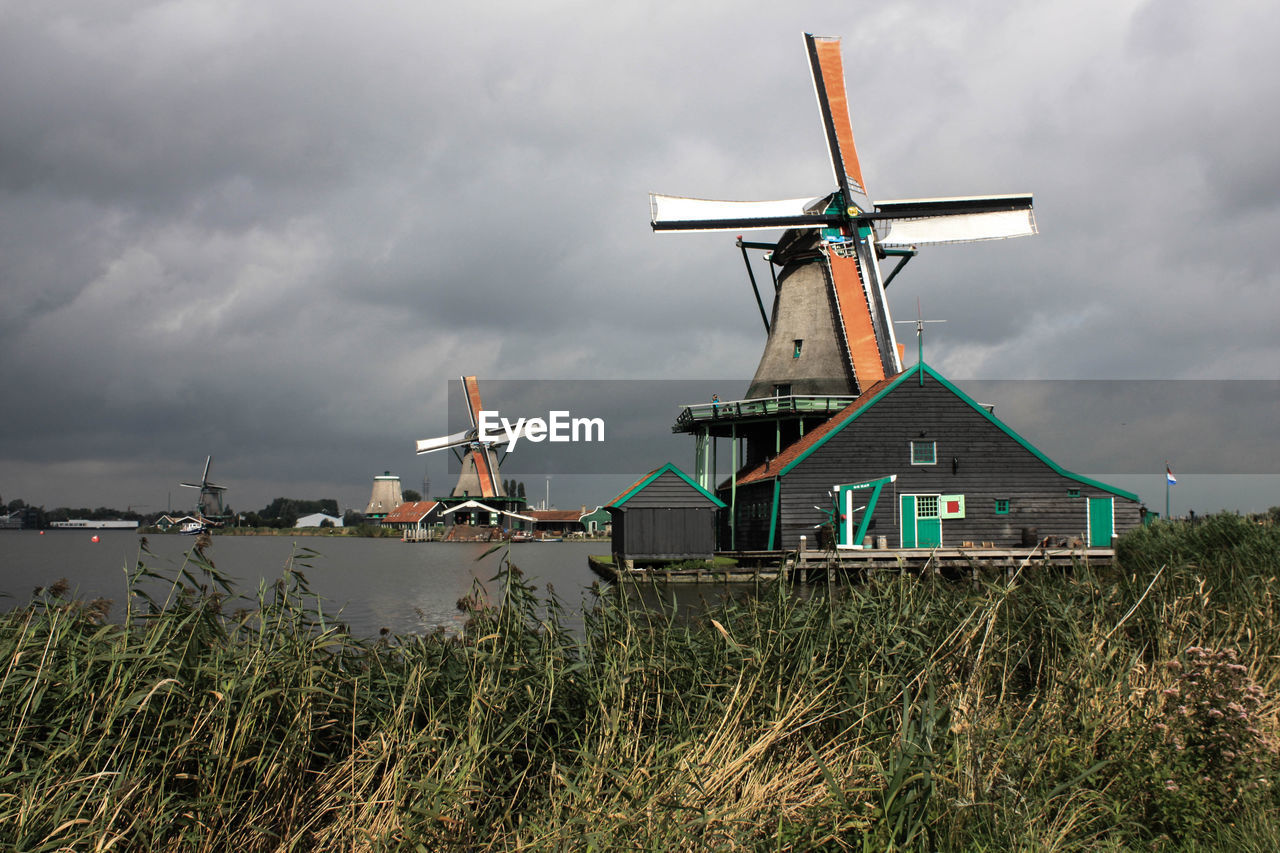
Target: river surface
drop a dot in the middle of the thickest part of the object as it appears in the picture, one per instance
(369, 584)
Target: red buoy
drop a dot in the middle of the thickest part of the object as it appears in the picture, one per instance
(95, 538)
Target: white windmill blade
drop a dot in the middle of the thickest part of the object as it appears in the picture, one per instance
(962, 219)
(430, 445)
(192, 485)
(677, 213)
(207, 462)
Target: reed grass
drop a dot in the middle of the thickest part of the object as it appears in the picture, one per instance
(1027, 713)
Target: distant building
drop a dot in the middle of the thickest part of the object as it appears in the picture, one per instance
(597, 521)
(560, 522)
(318, 519)
(168, 522)
(415, 515)
(89, 524)
(385, 497)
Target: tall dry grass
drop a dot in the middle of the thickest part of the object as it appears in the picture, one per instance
(1053, 710)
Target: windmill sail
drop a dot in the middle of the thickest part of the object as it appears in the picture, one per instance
(830, 330)
(828, 84)
(472, 391)
(674, 213)
(873, 351)
(430, 445)
(967, 219)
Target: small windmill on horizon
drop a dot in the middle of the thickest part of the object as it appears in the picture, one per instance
(209, 504)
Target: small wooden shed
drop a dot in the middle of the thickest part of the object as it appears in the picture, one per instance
(665, 515)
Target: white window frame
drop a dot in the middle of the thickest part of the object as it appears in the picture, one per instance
(933, 444)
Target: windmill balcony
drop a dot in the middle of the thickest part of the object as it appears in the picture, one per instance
(696, 416)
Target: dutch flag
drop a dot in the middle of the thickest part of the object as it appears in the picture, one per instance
(1168, 473)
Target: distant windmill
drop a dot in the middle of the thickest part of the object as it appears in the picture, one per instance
(830, 332)
(479, 476)
(209, 504)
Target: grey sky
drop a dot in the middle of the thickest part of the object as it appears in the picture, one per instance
(272, 231)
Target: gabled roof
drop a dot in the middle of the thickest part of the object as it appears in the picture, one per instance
(644, 481)
(555, 514)
(801, 447)
(475, 504)
(799, 450)
(410, 512)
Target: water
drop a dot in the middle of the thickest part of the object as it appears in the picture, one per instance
(369, 584)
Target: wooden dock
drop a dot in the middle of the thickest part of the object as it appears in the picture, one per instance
(807, 565)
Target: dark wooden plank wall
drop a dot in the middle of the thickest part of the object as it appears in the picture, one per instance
(664, 533)
(666, 520)
(990, 465)
(754, 508)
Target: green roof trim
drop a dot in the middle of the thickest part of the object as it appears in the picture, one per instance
(942, 380)
(640, 486)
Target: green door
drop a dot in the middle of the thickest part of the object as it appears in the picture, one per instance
(921, 526)
(908, 517)
(928, 524)
(1100, 522)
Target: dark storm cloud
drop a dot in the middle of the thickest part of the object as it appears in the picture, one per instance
(273, 232)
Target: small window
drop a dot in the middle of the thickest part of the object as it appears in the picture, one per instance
(795, 353)
(924, 453)
(926, 506)
(1002, 506)
(782, 390)
(1073, 493)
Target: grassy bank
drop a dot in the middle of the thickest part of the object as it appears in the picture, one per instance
(1123, 708)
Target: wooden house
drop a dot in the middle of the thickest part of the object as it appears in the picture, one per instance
(415, 516)
(664, 516)
(596, 522)
(556, 522)
(916, 463)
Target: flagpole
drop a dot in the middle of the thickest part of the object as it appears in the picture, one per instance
(1166, 491)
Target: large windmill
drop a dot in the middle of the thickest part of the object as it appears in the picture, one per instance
(830, 334)
(209, 504)
(479, 478)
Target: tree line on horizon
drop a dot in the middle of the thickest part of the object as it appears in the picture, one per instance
(280, 513)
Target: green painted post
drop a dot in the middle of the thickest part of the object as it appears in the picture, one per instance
(733, 494)
(773, 518)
